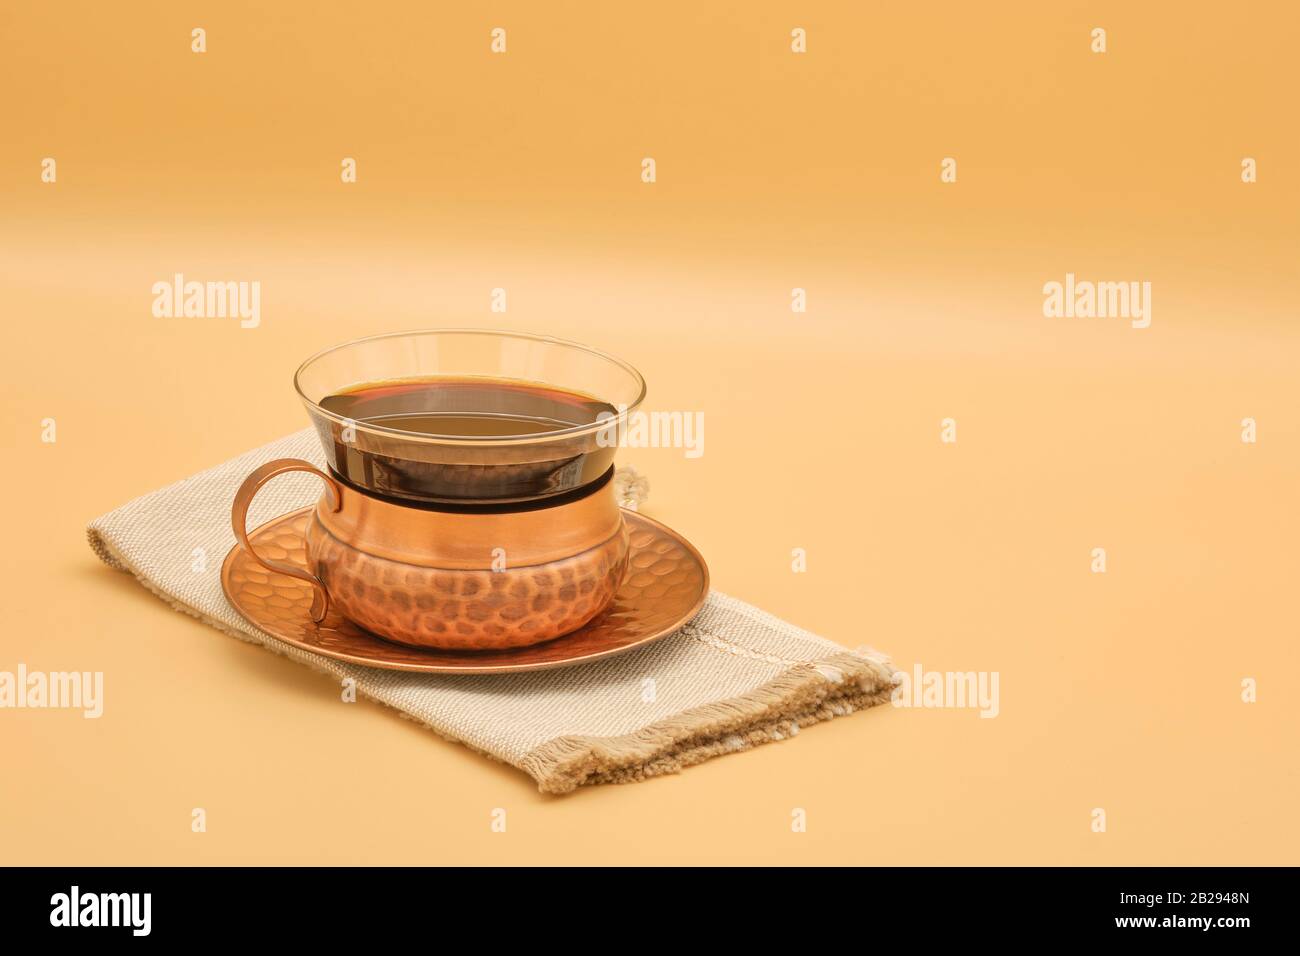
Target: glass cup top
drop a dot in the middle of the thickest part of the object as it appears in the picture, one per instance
(468, 417)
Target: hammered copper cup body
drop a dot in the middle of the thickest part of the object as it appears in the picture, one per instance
(454, 581)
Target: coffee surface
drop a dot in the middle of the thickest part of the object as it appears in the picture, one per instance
(401, 465)
(466, 407)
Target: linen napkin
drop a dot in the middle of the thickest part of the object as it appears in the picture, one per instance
(733, 678)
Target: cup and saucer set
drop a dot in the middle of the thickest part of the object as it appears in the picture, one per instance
(467, 522)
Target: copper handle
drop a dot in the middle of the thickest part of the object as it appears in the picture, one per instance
(320, 601)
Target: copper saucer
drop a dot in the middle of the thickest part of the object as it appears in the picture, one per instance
(666, 584)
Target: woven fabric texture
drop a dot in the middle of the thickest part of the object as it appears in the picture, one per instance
(733, 678)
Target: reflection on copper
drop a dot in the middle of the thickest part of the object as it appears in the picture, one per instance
(452, 580)
(664, 586)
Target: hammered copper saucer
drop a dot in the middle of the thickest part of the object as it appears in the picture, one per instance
(665, 586)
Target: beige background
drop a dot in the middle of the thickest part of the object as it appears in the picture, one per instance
(820, 171)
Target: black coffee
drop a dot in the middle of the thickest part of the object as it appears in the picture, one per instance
(403, 466)
(466, 407)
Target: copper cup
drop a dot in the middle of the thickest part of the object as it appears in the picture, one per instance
(532, 547)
